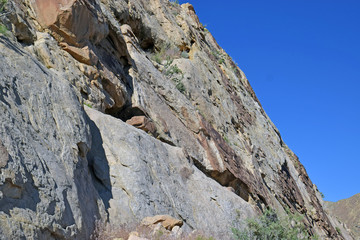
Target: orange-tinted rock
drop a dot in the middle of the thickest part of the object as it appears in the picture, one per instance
(72, 21)
(83, 55)
(142, 123)
(166, 221)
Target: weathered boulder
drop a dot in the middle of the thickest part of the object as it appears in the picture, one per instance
(76, 22)
(166, 221)
(142, 123)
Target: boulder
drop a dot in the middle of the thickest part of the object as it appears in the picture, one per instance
(166, 221)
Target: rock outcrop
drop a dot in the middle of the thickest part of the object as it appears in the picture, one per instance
(174, 126)
(46, 187)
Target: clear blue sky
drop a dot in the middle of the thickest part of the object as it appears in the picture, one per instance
(302, 57)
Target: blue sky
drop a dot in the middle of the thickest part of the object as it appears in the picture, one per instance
(302, 57)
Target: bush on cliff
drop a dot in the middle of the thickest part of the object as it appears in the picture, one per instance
(270, 227)
(2, 6)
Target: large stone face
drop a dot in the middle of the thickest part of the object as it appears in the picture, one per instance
(46, 190)
(142, 177)
(205, 150)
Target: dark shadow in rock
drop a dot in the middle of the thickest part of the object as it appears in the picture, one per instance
(9, 44)
(98, 165)
(19, 195)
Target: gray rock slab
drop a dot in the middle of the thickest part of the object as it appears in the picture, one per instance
(149, 177)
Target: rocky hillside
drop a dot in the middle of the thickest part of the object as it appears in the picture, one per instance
(117, 110)
(348, 212)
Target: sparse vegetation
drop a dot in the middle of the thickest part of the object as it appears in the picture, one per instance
(176, 75)
(215, 53)
(338, 230)
(88, 104)
(269, 226)
(204, 238)
(180, 86)
(3, 29)
(166, 52)
(175, 2)
(218, 56)
(322, 195)
(2, 5)
(173, 69)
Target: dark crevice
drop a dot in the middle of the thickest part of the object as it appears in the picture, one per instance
(130, 112)
(166, 141)
(226, 179)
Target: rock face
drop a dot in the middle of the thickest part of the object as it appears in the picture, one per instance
(348, 212)
(139, 176)
(46, 188)
(175, 127)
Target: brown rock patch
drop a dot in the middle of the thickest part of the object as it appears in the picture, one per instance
(166, 221)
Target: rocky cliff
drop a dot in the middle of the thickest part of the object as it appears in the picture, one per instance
(116, 110)
(348, 212)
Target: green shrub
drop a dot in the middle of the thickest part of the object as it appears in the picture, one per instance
(3, 29)
(165, 52)
(218, 56)
(2, 5)
(174, 69)
(157, 58)
(204, 238)
(269, 226)
(215, 53)
(88, 104)
(181, 87)
(176, 75)
(338, 230)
